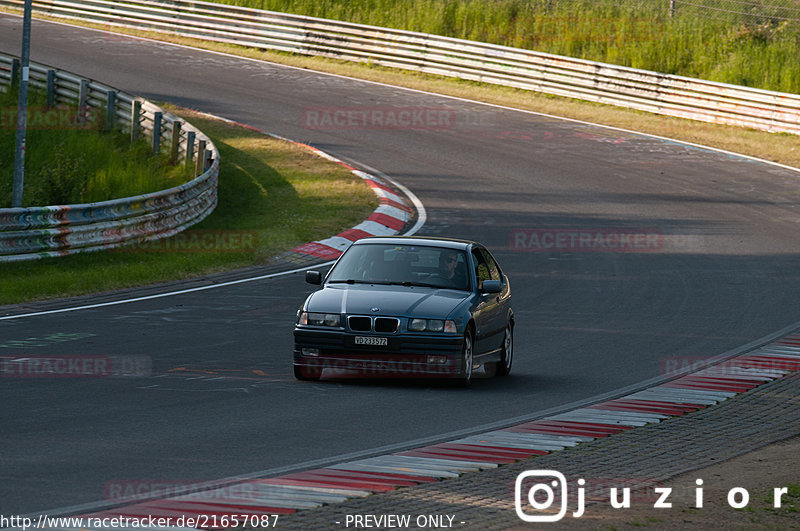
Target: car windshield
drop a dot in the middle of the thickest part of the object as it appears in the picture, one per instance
(412, 265)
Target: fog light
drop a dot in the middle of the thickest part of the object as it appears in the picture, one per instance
(310, 352)
(437, 360)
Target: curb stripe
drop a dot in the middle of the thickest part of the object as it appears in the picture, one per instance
(354, 234)
(319, 250)
(387, 220)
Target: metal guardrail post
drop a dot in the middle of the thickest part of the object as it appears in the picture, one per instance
(157, 117)
(199, 166)
(83, 100)
(175, 141)
(51, 87)
(136, 117)
(111, 110)
(15, 66)
(208, 160)
(190, 136)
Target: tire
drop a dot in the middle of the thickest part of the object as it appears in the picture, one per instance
(304, 374)
(503, 367)
(465, 378)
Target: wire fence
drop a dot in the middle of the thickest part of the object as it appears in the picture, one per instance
(748, 12)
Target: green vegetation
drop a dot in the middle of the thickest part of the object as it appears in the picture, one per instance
(756, 49)
(68, 161)
(273, 196)
(790, 502)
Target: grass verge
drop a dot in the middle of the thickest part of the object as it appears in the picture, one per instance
(273, 196)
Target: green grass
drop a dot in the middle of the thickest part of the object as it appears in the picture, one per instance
(276, 192)
(751, 50)
(790, 502)
(66, 163)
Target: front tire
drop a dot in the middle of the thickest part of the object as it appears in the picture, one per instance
(503, 367)
(467, 353)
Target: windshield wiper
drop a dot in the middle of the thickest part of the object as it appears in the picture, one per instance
(419, 284)
(353, 281)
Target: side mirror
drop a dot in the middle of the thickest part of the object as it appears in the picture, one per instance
(492, 286)
(314, 277)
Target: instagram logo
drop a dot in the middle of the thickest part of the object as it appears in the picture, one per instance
(540, 496)
(537, 503)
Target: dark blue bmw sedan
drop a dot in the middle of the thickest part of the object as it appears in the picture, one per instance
(407, 307)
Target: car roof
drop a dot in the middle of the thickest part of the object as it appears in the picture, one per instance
(449, 243)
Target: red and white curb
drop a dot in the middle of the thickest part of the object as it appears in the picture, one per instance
(397, 206)
(388, 219)
(313, 488)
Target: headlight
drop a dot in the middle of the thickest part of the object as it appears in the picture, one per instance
(319, 319)
(431, 325)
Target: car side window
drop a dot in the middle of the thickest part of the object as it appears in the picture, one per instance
(481, 269)
(494, 269)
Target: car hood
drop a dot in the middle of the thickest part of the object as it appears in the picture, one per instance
(390, 300)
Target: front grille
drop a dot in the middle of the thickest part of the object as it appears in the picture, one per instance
(358, 323)
(386, 325)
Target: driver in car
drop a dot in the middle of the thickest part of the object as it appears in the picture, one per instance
(448, 269)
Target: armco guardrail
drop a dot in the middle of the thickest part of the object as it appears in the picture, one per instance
(628, 87)
(37, 232)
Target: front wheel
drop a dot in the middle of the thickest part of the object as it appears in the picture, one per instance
(465, 377)
(503, 367)
(507, 356)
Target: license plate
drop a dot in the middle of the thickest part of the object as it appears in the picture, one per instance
(372, 341)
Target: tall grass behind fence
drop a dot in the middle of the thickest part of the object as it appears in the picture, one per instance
(754, 43)
(73, 106)
(68, 163)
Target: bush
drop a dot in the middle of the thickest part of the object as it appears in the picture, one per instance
(61, 181)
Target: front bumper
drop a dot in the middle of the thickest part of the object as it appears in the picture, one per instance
(404, 356)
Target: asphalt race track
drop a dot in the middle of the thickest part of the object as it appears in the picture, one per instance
(221, 399)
